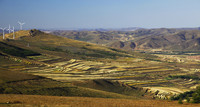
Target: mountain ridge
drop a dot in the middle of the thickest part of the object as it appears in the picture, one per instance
(162, 38)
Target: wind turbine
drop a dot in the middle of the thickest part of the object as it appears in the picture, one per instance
(3, 32)
(13, 30)
(21, 24)
(9, 30)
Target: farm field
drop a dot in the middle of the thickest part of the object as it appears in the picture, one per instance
(134, 72)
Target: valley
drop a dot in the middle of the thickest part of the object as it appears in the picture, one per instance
(53, 65)
(99, 53)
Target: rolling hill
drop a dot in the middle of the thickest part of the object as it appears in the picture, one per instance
(142, 39)
(35, 50)
(44, 43)
(179, 41)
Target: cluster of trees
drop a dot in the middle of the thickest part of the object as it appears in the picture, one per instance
(190, 96)
(194, 77)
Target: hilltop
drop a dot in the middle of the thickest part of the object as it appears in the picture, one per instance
(50, 44)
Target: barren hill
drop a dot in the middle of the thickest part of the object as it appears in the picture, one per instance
(163, 39)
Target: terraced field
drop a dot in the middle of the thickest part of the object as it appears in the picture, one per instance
(133, 72)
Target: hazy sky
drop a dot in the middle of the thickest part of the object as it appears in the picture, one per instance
(100, 13)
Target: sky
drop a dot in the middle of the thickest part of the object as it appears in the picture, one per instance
(73, 14)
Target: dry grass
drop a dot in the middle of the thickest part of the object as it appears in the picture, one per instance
(168, 89)
(120, 68)
(52, 101)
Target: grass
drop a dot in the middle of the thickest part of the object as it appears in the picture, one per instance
(10, 76)
(16, 51)
(111, 86)
(52, 49)
(36, 100)
(29, 84)
(50, 44)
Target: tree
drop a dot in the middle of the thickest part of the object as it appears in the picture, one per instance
(196, 97)
(180, 101)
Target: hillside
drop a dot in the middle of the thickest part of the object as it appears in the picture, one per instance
(111, 86)
(58, 66)
(163, 39)
(180, 41)
(14, 81)
(33, 52)
(97, 37)
(50, 44)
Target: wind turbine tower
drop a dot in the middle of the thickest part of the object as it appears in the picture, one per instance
(13, 30)
(9, 30)
(3, 32)
(21, 24)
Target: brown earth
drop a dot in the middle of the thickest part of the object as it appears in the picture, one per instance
(52, 101)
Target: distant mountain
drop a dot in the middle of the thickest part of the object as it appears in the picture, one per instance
(120, 29)
(187, 40)
(198, 28)
(129, 29)
(94, 29)
(123, 45)
(183, 39)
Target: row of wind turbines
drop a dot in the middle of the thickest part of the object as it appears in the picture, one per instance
(11, 30)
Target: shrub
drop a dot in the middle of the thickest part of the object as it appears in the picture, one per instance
(180, 101)
(188, 99)
(184, 77)
(196, 98)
